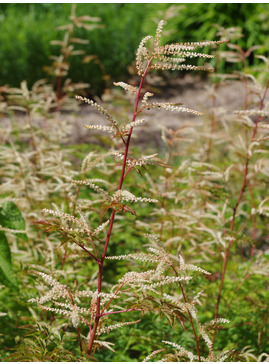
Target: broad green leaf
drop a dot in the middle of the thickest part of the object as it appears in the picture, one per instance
(7, 275)
(11, 218)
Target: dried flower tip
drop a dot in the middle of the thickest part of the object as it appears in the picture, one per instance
(146, 160)
(68, 217)
(262, 113)
(101, 110)
(205, 43)
(195, 55)
(171, 66)
(217, 321)
(48, 279)
(194, 267)
(128, 196)
(146, 96)
(57, 310)
(117, 154)
(91, 185)
(263, 126)
(133, 124)
(181, 349)
(84, 293)
(141, 53)
(109, 129)
(153, 354)
(173, 49)
(169, 106)
(126, 86)
(153, 237)
(75, 317)
(113, 327)
(158, 33)
(58, 290)
(137, 277)
(101, 228)
(166, 59)
(137, 256)
(106, 344)
(166, 280)
(98, 180)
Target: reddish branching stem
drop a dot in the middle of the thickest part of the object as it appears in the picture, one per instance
(235, 209)
(98, 313)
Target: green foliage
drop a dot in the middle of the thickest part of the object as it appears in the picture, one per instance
(7, 275)
(27, 30)
(10, 218)
(44, 345)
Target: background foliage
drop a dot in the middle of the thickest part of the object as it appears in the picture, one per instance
(26, 32)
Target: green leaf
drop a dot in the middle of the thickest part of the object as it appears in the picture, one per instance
(11, 218)
(7, 275)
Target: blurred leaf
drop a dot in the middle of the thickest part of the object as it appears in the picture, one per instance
(7, 275)
(11, 218)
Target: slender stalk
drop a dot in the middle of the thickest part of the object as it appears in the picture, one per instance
(112, 313)
(189, 315)
(98, 314)
(213, 123)
(165, 190)
(235, 209)
(111, 299)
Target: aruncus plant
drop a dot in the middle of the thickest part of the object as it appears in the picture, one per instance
(135, 291)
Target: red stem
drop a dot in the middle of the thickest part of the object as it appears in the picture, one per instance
(98, 315)
(244, 185)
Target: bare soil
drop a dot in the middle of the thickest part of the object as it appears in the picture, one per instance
(193, 92)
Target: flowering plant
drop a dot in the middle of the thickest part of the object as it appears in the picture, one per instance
(136, 291)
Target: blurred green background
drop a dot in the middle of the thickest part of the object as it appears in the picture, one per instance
(27, 29)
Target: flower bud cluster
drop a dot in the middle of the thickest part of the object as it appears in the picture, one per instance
(143, 257)
(71, 218)
(116, 326)
(182, 351)
(158, 34)
(100, 109)
(128, 196)
(217, 321)
(262, 113)
(132, 124)
(126, 86)
(91, 185)
(106, 344)
(140, 54)
(263, 126)
(153, 354)
(100, 228)
(165, 281)
(169, 106)
(108, 129)
(146, 96)
(171, 66)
